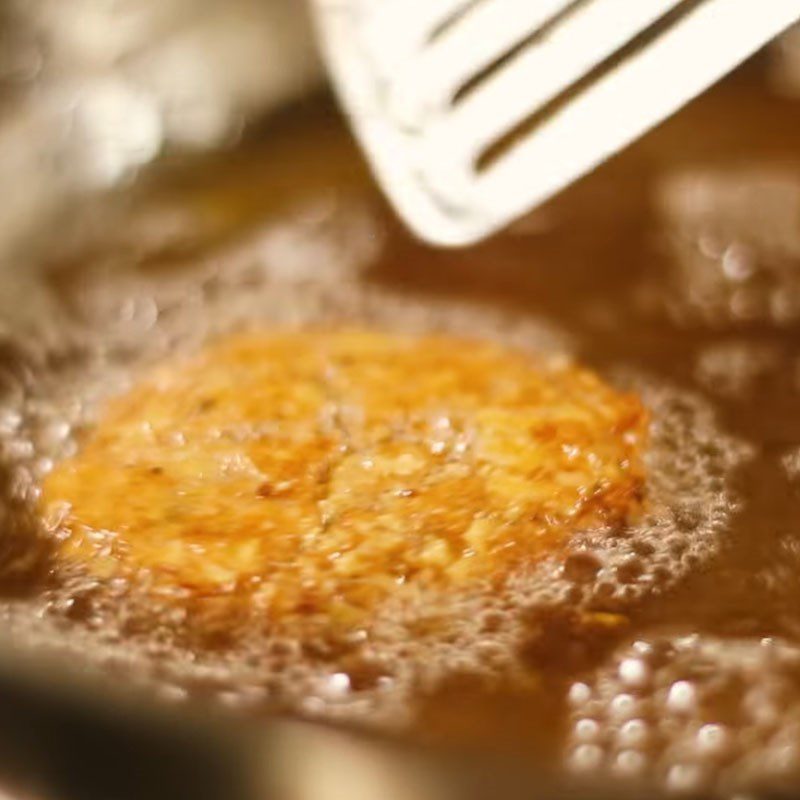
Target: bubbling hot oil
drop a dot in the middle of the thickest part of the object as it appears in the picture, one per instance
(114, 606)
(696, 713)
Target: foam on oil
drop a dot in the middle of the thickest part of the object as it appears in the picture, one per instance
(372, 672)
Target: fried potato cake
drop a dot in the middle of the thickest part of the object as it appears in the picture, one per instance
(323, 471)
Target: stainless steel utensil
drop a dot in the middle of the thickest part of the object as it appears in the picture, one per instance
(474, 111)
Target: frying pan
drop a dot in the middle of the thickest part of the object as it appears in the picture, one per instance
(68, 732)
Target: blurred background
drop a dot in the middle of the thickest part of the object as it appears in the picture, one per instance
(196, 137)
(95, 92)
(92, 92)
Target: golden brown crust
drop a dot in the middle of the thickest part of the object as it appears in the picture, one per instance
(323, 471)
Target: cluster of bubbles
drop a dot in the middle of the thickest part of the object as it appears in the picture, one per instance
(737, 369)
(692, 714)
(85, 354)
(734, 245)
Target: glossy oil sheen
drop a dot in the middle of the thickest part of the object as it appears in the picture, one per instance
(675, 269)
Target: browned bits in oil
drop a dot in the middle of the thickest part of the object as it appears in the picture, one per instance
(320, 472)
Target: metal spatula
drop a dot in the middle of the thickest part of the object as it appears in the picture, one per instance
(472, 112)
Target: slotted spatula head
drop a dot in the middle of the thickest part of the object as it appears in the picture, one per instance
(472, 112)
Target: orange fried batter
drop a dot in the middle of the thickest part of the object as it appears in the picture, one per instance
(322, 471)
